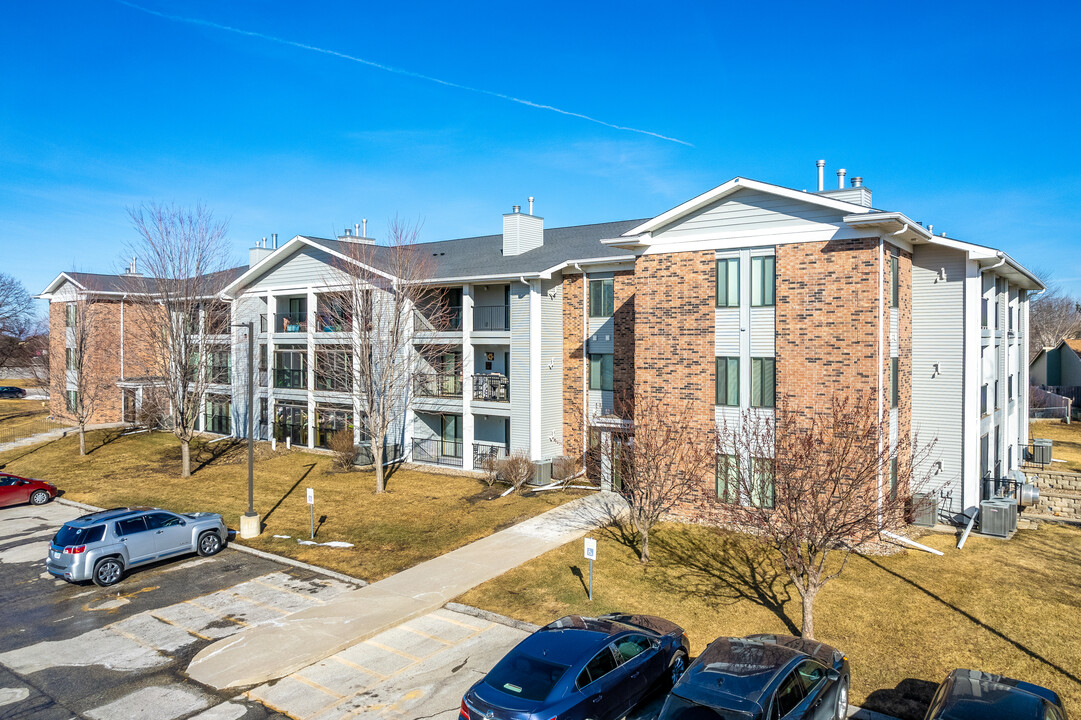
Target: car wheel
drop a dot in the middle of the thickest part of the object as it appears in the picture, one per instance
(108, 571)
(676, 669)
(39, 497)
(842, 700)
(209, 544)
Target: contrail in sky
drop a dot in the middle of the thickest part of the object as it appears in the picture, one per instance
(398, 71)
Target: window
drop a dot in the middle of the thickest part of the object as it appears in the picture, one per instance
(788, 696)
(600, 372)
(603, 663)
(983, 400)
(810, 674)
(727, 478)
(1009, 387)
(893, 478)
(983, 313)
(73, 400)
(996, 394)
(728, 282)
(131, 526)
(727, 381)
(985, 470)
(763, 381)
(524, 676)
(71, 315)
(895, 381)
(333, 369)
(602, 298)
(998, 452)
(632, 646)
(154, 521)
(763, 281)
(763, 489)
(290, 366)
(895, 280)
(69, 355)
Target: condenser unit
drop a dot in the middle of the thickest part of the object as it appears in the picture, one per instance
(995, 518)
(925, 509)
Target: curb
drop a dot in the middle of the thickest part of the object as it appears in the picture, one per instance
(492, 617)
(252, 551)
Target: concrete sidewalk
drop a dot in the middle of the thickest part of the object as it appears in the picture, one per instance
(54, 435)
(261, 654)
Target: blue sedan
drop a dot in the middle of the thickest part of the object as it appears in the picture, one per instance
(580, 668)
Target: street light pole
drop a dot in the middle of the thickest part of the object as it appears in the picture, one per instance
(249, 521)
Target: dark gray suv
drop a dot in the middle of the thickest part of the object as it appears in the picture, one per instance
(103, 545)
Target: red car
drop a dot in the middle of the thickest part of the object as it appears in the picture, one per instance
(15, 490)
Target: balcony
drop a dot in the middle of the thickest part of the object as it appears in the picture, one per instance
(486, 452)
(437, 386)
(218, 374)
(288, 379)
(439, 319)
(491, 388)
(438, 452)
(332, 322)
(491, 318)
(294, 322)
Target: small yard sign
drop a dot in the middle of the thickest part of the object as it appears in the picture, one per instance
(311, 496)
(591, 555)
(311, 511)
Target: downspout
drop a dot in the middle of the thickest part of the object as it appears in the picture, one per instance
(1000, 263)
(585, 364)
(881, 251)
(122, 299)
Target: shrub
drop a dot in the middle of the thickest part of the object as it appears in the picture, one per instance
(345, 452)
(489, 465)
(565, 469)
(516, 470)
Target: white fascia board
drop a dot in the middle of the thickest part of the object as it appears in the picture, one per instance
(732, 186)
(568, 266)
(913, 231)
(55, 285)
(753, 238)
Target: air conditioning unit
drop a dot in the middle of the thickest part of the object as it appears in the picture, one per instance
(925, 509)
(1041, 451)
(998, 518)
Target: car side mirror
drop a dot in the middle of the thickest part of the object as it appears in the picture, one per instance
(833, 675)
(182, 523)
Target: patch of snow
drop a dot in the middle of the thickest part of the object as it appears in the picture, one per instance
(332, 543)
(283, 537)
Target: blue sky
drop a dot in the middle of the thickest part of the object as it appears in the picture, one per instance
(964, 115)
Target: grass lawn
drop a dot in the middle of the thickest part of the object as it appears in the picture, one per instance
(22, 418)
(1066, 442)
(1012, 608)
(422, 514)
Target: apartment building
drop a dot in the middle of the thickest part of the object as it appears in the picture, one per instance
(737, 297)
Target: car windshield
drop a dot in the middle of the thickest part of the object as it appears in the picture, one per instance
(678, 708)
(70, 535)
(526, 677)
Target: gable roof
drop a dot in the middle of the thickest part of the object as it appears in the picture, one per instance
(1074, 344)
(102, 284)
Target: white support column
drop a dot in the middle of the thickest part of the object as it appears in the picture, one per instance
(467, 377)
(271, 323)
(534, 369)
(311, 366)
(744, 330)
(973, 378)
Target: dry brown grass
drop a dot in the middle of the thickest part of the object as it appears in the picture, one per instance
(904, 620)
(1066, 442)
(22, 418)
(422, 514)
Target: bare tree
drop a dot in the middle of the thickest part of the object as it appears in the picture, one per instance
(17, 323)
(658, 461)
(812, 485)
(516, 470)
(390, 314)
(176, 318)
(1053, 317)
(84, 352)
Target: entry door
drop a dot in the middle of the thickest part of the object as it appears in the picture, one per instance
(129, 405)
(452, 436)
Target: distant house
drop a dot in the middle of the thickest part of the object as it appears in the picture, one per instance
(1058, 366)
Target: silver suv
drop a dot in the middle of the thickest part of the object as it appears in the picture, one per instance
(103, 545)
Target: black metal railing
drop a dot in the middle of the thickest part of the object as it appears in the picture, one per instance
(291, 322)
(290, 379)
(491, 317)
(332, 382)
(437, 385)
(448, 318)
(439, 452)
(485, 452)
(491, 388)
(262, 323)
(329, 322)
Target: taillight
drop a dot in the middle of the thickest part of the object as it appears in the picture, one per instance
(75, 550)
(463, 713)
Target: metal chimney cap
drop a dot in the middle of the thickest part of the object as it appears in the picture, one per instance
(821, 163)
(857, 181)
(517, 209)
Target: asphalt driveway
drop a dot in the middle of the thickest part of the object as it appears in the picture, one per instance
(84, 651)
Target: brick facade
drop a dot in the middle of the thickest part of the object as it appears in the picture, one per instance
(623, 320)
(102, 361)
(573, 363)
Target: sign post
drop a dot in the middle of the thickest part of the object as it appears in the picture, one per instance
(591, 555)
(311, 511)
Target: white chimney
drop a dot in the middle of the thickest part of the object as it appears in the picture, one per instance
(530, 204)
(821, 175)
(257, 253)
(522, 233)
(841, 179)
(364, 227)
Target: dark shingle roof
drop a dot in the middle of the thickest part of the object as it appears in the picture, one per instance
(97, 282)
(483, 255)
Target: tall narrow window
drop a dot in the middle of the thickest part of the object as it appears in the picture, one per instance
(727, 381)
(983, 312)
(985, 470)
(1009, 387)
(69, 354)
(893, 478)
(602, 298)
(763, 281)
(895, 281)
(983, 400)
(73, 400)
(600, 372)
(728, 282)
(763, 381)
(70, 314)
(996, 394)
(763, 490)
(727, 478)
(895, 382)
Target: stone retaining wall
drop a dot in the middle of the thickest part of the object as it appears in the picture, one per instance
(1060, 493)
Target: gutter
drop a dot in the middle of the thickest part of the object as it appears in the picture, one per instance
(1001, 261)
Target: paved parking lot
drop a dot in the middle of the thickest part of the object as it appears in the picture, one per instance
(83, 651)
